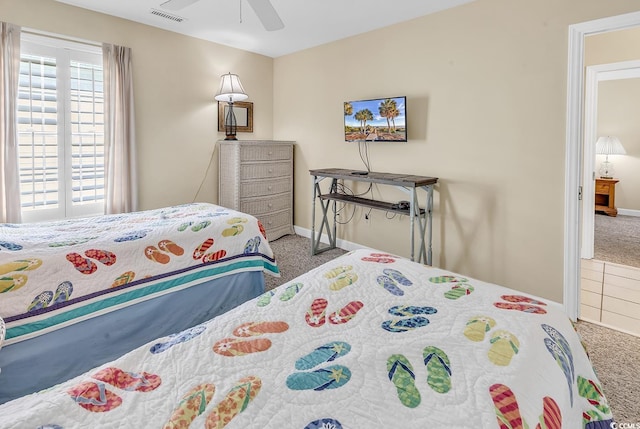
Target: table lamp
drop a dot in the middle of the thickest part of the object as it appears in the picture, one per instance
(230, 90)
(608, 146)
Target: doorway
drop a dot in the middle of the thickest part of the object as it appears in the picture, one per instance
(594, 76)
(610, 269)
(574, 149)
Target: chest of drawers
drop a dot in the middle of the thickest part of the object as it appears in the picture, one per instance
(256, 177)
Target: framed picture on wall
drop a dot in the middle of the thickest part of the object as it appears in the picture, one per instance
(244, 115)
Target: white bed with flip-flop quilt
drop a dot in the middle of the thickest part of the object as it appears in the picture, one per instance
(366, 340)
(78, 293)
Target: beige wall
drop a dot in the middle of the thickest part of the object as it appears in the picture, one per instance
(619, 115)
(619, 109)
(612, 47)
(175, 79)
(486, 87)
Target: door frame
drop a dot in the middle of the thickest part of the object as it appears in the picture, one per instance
(574, 149)
(595, 75)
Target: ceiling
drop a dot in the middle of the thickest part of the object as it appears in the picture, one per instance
(306, 23)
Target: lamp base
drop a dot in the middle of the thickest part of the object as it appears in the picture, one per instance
(606, 170)
(230, 123)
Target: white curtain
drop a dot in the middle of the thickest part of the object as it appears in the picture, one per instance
(9, 75)
(119, 134)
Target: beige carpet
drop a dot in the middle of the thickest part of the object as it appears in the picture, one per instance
(615, 356)
(293, 255)
(616, 359)
(617, 239)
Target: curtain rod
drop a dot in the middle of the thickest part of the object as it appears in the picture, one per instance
(62, 37)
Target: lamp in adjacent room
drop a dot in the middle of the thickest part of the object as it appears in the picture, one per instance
(608, 146)
(231, 90)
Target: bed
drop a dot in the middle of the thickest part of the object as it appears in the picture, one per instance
(77, 293)
(366, 340)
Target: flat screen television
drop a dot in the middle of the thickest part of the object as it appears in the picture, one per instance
(376, 120)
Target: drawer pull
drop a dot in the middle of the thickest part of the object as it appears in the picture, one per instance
(270, 205)
(270, 170)
(270, 153)
(270, 188)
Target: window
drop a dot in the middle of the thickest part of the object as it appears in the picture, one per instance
(60, 129)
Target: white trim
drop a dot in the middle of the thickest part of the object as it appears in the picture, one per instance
(589, 162)
(572, 171)
(573, 149)
(342, 244)
(629, 212)
(64, 53)
(595, 75)
(60, 41)
(615, 328)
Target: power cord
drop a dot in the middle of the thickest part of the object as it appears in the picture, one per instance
(363, 150)
(206, 173)
(344, 190)
(341, 188)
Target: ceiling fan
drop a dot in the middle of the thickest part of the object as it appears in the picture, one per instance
(263, 9)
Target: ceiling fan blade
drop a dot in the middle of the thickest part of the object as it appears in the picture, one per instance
(177, 4)
(267, 14)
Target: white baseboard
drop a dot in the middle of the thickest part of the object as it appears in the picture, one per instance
(342, 244)
(612, 327)
(628, 212)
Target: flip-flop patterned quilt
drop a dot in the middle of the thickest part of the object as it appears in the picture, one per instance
(56, 273)
(366, 340)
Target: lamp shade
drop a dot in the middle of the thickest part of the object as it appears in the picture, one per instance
(609, 146)
(230, 89)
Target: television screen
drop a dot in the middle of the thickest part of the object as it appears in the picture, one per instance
(379, 119)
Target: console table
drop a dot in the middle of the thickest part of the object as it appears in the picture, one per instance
(422, 217)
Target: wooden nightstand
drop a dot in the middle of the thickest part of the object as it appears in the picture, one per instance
(606, 196)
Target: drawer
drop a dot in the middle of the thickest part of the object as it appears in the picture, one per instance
(602, 188)
(265, 171)
(265, 187)
(265, 153)
(276, 220)
(258, 206)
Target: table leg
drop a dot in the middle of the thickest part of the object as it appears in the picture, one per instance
(324, 205)
(429, 214)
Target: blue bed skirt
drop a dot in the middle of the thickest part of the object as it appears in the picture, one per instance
(44, 361)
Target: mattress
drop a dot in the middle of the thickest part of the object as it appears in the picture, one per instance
(366, 340)
(111, 283)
